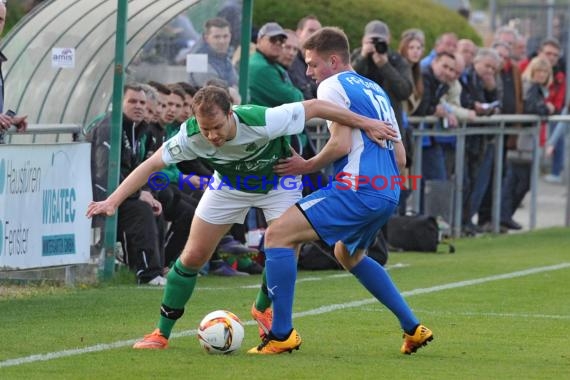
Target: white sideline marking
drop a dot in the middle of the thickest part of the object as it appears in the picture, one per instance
(500, 315)
(306, 279)
(320, 310)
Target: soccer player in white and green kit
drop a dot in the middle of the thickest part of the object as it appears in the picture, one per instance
(242, 144)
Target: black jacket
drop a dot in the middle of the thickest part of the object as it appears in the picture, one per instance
(395, 77)
(433, 91)
(474, 91)
(298, 74)
(534, 101)
(134, 145)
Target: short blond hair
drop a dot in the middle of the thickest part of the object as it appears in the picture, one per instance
(538, 63)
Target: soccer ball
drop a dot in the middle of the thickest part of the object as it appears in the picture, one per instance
(220, 332)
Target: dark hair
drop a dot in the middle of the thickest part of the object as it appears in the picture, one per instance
(444, 54)
(188, 88)
(464, 12)
(218, 82)
(442, 36)
(329, 40)
(550, 41)
(160, 87)
(303, 21)
(177, 90)
(210, 98)
(216, 22)
(133, 87)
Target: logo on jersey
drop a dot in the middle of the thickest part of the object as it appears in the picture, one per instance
(174, 149)
(251, 147)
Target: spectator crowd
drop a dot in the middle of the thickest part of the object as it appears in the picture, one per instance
(456, 82)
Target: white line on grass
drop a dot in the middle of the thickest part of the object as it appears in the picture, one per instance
(491, 314)
(320, 310)
(305, 279)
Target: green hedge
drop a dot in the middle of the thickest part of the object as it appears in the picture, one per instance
(352, 16)
(13, 15)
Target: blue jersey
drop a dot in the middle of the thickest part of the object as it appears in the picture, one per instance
(374, 164)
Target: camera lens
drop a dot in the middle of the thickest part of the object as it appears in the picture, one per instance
(381, 46)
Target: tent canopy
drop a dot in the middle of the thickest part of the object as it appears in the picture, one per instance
(75, 95)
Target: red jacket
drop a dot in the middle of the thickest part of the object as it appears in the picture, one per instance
(557, 91)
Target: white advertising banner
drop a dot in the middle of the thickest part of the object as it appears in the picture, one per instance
(44, 192)
(63, 58)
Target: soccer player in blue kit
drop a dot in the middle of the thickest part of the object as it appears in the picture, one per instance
(242, 143)
(348, 218)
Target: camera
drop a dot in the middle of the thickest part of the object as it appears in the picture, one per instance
(380, 45)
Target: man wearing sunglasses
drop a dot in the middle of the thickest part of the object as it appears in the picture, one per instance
(269, 83)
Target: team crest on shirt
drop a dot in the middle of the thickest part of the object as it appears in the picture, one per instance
(173, 148)
(251, 147)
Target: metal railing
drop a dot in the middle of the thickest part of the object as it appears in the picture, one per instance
(497, 125)
(73, 131)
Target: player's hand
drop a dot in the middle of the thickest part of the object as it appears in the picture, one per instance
(549, 150)
(293, 165)
(379, 131)
(100, 208)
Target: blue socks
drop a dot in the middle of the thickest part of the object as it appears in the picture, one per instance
(377, 281)
(281, 269)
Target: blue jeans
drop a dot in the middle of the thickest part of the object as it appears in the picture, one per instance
(433, 163)
(478, 181)
(558, 156)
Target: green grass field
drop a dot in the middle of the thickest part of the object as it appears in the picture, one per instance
(499, 309)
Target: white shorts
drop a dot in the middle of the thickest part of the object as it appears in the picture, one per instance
(227, 206)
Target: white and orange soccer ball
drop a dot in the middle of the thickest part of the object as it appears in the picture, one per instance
(220, 332)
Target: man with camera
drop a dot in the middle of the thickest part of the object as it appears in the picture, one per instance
(375, 61)
(389, 69)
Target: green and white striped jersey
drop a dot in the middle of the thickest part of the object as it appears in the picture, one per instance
(259, 143)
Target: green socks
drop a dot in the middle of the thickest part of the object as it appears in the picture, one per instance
(262, 301)
(179, 288)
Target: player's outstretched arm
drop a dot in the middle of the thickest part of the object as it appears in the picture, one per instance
(375, 129)
(400, 153)
(132, 183)
(338, 145)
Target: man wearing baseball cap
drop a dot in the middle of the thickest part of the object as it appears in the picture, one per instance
(269, 83)
(377, 28)
(271, 29)
(376, 61)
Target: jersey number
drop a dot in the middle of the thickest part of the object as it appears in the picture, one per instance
(380, 104)
(382, 108)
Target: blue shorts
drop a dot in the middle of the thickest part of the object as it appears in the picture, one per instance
(351, 217)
